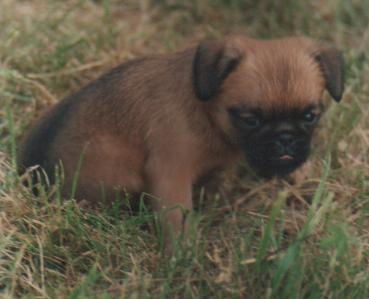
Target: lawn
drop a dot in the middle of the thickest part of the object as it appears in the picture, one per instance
(305, 238)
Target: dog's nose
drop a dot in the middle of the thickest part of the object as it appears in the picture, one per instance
(286, 139)
(286, 144)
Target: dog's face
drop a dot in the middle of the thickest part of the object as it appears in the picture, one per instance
(276, 143)
(266, 96)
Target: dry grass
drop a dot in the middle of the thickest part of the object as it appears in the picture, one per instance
(255, 239)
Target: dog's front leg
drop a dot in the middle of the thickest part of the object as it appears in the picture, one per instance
(171, 187)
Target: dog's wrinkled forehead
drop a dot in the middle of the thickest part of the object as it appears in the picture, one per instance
(278, 77)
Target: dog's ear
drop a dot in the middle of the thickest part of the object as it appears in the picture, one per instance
(332, 65)
(213, 62)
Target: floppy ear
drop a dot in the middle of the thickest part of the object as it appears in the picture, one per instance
(213, 62)
(332, 65)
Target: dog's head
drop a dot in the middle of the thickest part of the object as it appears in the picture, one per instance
(266, 96)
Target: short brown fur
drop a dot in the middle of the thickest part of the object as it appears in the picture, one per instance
(143, 128)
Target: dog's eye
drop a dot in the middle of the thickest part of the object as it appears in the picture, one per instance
(252, 122)
(248, 120)
(310, 117)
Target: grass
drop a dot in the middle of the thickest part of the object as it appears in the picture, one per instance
(254, 239)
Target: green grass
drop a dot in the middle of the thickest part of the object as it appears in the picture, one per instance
(255, 239)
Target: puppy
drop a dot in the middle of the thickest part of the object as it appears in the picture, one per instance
(160, 124)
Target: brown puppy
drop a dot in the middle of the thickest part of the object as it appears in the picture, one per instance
(160, 124)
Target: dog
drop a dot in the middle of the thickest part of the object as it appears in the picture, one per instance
(160, 124)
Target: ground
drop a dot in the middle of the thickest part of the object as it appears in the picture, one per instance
(302, 237)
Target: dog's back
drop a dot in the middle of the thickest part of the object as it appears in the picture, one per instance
(39, 145)
(107, 125)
